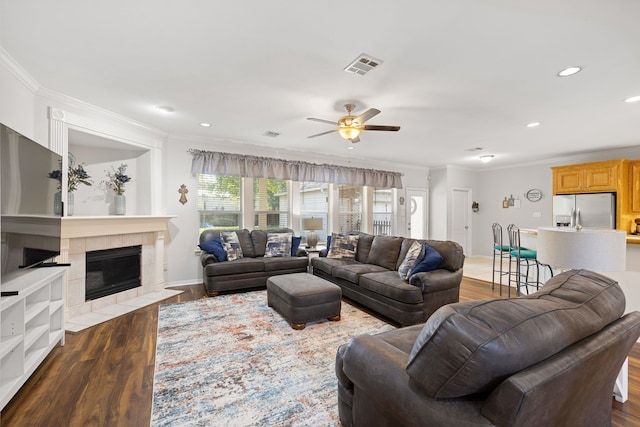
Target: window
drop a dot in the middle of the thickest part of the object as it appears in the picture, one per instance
(314, 203)
(382, 210)
(219, 201)
(350, 208)
(270, 203)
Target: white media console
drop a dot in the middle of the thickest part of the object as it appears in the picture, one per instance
(31, 325)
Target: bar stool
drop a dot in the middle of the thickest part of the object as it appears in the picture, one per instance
(522, 257)
(500, 252)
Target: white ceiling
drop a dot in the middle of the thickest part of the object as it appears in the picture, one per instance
(457, 74)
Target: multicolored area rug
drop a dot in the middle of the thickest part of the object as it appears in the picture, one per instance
(233, 361)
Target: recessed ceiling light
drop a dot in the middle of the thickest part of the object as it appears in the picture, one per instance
(633, 99)
(166, 109)
(533, 124)
(569, 71)
(486, 158)
(205, 124)
(351, 147)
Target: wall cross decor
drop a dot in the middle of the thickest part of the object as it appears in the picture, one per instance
(183, 191)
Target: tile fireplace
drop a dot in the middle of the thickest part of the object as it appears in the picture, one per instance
(82, 235)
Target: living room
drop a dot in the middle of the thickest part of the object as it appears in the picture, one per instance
(157, 152)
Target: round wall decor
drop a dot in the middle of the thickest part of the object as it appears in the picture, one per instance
(534, 195)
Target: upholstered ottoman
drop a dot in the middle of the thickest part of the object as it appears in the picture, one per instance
(303, 297)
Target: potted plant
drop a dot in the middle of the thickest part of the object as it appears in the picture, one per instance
(117, 178)
(76, 175)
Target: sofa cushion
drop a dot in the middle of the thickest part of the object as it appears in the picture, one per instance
(388, 284)
(240, 266)
(351, 272)
(285, 263)
(364, 246)
(384, 251)
(326, 265)
(429, 259)
(343, 246)
(470, 347)
(231, 245)
(412, 255)
(278, 245)
(214, 247)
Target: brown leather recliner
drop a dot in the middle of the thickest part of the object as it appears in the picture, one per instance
(550, 358)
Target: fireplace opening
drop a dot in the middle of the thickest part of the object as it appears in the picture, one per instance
(111, 271)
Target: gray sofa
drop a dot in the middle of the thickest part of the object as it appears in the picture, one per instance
(251, 271)
(546, 359)
(372, 278)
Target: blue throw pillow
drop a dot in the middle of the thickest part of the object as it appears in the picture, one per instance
(430, 260)
(214, 247)
(295, 244)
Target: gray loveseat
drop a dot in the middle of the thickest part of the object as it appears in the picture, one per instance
(546, 359)
(372, 278)
(251, 271)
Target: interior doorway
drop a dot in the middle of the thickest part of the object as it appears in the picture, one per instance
(417, 218)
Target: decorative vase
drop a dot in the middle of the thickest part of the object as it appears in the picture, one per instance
(120, 204)
(57, 203)
(69, 203)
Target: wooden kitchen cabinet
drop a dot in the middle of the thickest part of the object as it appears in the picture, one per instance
(635, 186)
(588, 177)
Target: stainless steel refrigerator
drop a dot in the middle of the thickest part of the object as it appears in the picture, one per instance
(587, 210)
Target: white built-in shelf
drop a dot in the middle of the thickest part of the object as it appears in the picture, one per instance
(31, 325)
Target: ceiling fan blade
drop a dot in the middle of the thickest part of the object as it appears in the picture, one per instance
(379, 127)
(321, 121)
(323, 133)
(371, 112)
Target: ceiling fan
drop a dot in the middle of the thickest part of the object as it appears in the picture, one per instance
(350, 127)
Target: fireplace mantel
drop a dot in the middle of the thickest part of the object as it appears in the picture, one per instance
(74, 227)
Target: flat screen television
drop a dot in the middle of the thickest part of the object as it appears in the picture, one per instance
(29, 226)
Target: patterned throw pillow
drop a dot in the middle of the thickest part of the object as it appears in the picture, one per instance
(278, 245)
(409, 260)
(231, 245)
(343, 246)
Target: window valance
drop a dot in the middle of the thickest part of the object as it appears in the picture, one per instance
(217, 163)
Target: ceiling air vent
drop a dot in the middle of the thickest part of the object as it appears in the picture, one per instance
(362, 65)
(271, 134)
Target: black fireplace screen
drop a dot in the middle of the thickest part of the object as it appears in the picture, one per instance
(111, 271)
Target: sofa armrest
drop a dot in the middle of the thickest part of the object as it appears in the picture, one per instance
(302, 252)
(376, 366)
(436, 280)
(207, 258)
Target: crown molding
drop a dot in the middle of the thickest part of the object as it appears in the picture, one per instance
(16, 70)
(69, 101)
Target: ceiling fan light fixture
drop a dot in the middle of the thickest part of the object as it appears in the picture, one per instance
(349, 132)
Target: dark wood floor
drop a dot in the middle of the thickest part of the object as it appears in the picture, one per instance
(103, 376)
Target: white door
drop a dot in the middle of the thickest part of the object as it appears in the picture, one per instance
(461, 218)
(417, 213)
